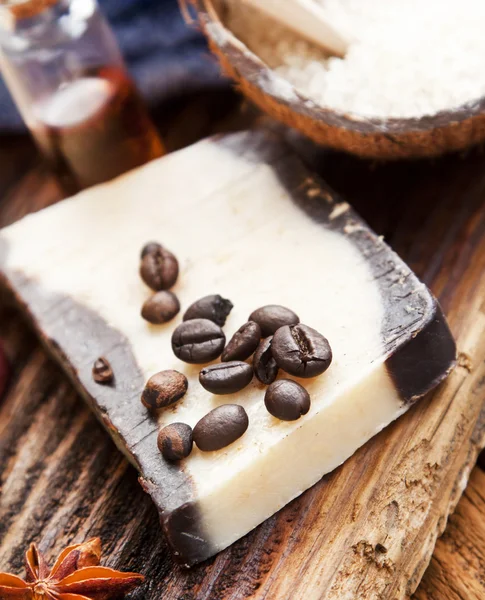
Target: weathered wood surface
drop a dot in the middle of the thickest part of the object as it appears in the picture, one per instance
(63, 479)
(457, 569)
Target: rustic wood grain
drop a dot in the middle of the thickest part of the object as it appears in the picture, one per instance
(457, 569)
(62, 478)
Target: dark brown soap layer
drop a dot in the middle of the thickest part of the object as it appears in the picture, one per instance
(421, 364)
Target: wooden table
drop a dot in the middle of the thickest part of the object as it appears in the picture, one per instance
(61, 476)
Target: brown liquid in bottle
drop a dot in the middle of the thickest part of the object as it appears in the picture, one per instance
(94, 129)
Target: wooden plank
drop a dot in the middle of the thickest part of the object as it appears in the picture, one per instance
(457, 569)
(65, 480)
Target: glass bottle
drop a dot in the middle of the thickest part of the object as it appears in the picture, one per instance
(64, 69)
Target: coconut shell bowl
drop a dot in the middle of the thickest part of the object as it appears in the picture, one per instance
(429, 136)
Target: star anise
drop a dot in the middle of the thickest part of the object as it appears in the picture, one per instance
(76, 575)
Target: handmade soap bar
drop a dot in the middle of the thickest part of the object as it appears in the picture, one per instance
(247, 221)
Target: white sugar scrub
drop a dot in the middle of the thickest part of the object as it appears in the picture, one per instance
(407, 58)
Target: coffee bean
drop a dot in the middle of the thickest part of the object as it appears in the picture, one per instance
(226, 378)
(287, 400)
(270, 318)
(301, 351)
(149, 248)
(163, 389)
(243, 343)
(160, 308)
(159, 268)
(264, 365)
(102, 371)
(221, 427)
(198, 341)
(213, 307)
(175, 441)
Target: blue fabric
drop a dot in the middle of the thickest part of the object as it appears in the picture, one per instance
(165, 56)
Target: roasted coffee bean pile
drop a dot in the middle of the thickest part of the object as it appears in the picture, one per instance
(164, 389)
(159, 269)
(226, 378)
(198, 341)
(214, 308)
(160, 308)
(221, 427)
(175, 441)
(102, 371)
(273, 336)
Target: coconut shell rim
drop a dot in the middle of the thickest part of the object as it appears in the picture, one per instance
(252, 69)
